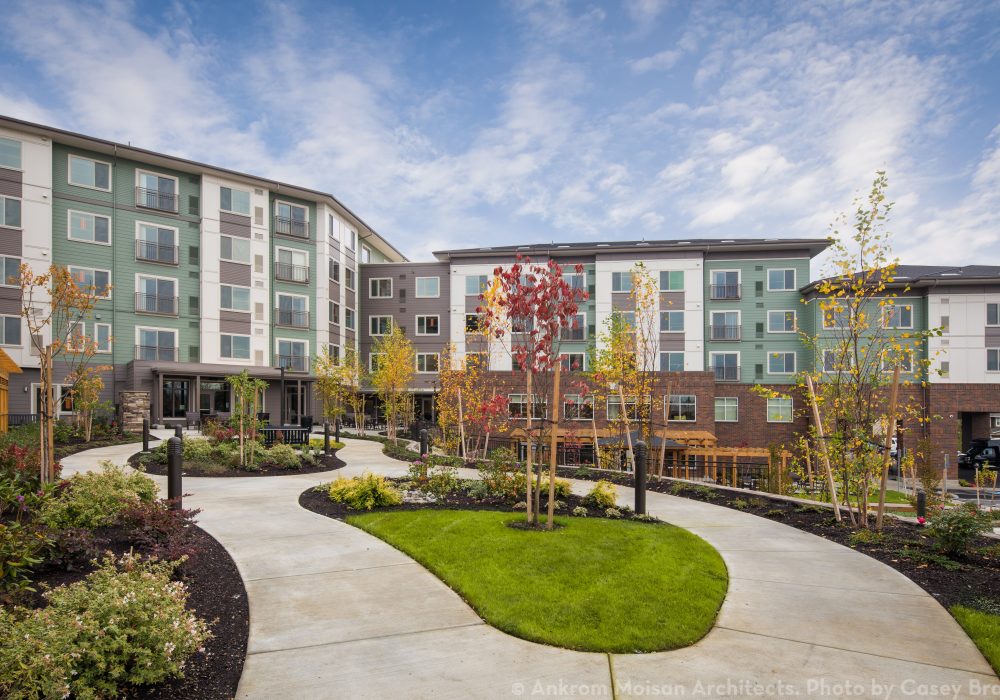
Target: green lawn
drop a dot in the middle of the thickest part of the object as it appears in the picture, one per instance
(594, 585)
(984, 629)
(891, 496)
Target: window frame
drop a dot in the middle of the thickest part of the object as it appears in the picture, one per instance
(670, 352)
(723, 353)
(791, 409)
(668, 403)
(4, 198)
(333, 309)
(233, 239)
(176, 333)
(785, 270)
(836, 315)
(69, 173)
(670, 273)
(585, 401)
(631, 402)
(416, 321)
(231, 356)
(371, 357)
(795, 320)
(416, 288)
(305, 344)
(20, 155)
(379, 317)
(249, 290)
(996, 353)
(111, 339)
(569, 368)
(735, 405)
(3, 271)
(78, 212)
(669, 314)
(890, 311)
(372, 280)
(352, 275)
(95, 270)
(3, 331)
(616, 276)
(350, 314)
(996, 306)
(139, 172)
(785, 353)
(482, 285)
(249, 195)
(366, 254)
(437, 360)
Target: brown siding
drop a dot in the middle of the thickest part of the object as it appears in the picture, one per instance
(10, 183)
(234, 273)
(234, 225)
(671, 341)
(10, 300)
(10, 241)
(992, 336)
(234, 322)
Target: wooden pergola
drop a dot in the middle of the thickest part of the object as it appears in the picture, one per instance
(7, 367)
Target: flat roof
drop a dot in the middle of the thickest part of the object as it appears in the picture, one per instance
(814, 245)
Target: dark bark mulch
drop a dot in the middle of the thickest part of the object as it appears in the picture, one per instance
(972, 580)
(325, 464)
(215, 593)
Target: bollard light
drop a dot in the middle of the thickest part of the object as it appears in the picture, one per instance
(921, 506)
(640, 477)
(178, 432)
(425, 447)
(145, 435)
(175, 459)
(326, 438)
(337, 427)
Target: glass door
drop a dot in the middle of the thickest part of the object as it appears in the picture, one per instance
(175, 397)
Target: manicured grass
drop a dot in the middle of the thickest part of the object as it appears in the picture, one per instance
(984, 629)
(594, 585)
(891, 496)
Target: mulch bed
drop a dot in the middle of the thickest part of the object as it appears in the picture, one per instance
(325, 464)
(215, 593)
(905, 546)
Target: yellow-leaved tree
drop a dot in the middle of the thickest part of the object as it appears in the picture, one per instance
(392, 375)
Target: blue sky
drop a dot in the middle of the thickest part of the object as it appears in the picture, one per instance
(454, 124)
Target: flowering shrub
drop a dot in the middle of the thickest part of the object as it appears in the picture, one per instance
(125, 624)
(364, 492)
(164, 532)
(502, 475)
(95, 499)
(74, 546)
(956, 529)
(282, 457)
(602, 495)
(563, 489)
(20, 543)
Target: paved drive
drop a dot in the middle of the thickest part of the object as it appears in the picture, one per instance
(336, 613)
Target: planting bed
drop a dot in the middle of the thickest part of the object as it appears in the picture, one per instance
(195, 469)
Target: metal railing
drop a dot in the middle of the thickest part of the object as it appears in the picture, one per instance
(725, 332)
(155, 353)
(16, 419)
(154, 199)
(157, 252)
(574, 333)
(726, 374)
(291, 319)
(156, 304)
(291, 227)
(291, 273)
(293, 363)
(724, 291)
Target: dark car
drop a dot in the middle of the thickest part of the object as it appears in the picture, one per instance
(980, 452)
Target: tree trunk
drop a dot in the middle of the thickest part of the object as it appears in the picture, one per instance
(549, 522)
(663, 438)
(628, 428)
(50, 431)
(461, 425)
(823, 449)
(891, 430)
(597, 444)
(528, 471)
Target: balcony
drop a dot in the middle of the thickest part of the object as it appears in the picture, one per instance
(573, 333)
(290, 318)
(155, 353)
(725, 332)
(724, 291)
(156, 304)
(292, 363)
(157, 252)
(291, 273)
(154, 199)
(291, 227)
(727, 374)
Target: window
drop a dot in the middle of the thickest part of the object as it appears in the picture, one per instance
(349, 278)
(781, 363)
(725, 325)
(102, 337)
(374, 358)
(380, 288)
(836, 316)
(292, 310)
(428, 287)
(11, 270)
(628, 319)
(477, 359)
(945, 324)
(724, 284)
(897, 316)
(780, 280)
(779, 410)
(993, 359)
(334, 352)
(84, 172)
(10, 212)
(334, 270)
(90, 280)
(614, 407)
(835, 360)
(726, 366)
(349, 319)
(671, 321)
(672, 281)
(235, 347)
(472, 322)
(781, 322)
(76, 336)
(11, 330)
(366, 254)
(156, 244)
(475, 285)
(155, 191)
(575, 280)
(993, 314)
(427, 362)
(573, 361)
(577, 329)
(334, 228)
(671, 362)
(576, 407)
(517, 406)
(682, 407)
(905, 358)
(235, 201)
(234, 298)
(10, 153)
(621, 281)
(291, 265)
(352, 239)
(293, 355)
(334, 313)
(379, 325)
(156, 295)
(156, 344)
(235, 249)
(727, 409)
(89, 228)
(428, 325)
(291, 220)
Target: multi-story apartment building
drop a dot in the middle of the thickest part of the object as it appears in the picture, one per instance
(209, 271)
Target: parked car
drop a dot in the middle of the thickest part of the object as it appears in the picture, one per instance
(981, 451)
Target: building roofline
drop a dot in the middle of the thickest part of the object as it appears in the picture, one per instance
(188, 164)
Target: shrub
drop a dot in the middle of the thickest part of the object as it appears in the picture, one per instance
(677, 488)
(612, 513)
(563, 489)
(74, 546)
(580, 512)
(602, 495)
(95, 499)
(164, 532)
(196, 450)
(228, 454)
(956, 529)
(863, 537)
(20, 545)
(582, 473)
(364, 492)
(741, 504)
(502, 475)
(442, 481)
(478, 490)
(282, 457)
(125, 624)
(776, 513)
(521, 505)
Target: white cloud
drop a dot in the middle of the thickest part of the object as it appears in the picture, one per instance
(645, 11)
(664, 60)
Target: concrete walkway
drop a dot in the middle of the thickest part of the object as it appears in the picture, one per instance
(336, 613)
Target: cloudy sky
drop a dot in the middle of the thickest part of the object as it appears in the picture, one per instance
(451, 124)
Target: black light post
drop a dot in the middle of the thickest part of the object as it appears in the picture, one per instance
(326, 438)
(175, 458)
(145, 435)
(281, 413)
(640, 478)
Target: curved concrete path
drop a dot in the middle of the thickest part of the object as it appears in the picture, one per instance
(336, 613)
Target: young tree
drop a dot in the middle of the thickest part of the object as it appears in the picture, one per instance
(333, 384)
(450, 417)
(530, 305)
(393, 375)
(615, 369)
(645, 296)
(55, 304)
(86, 387)
(247, 393)
(354, 376)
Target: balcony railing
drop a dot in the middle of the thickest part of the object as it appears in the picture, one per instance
(292, 363)
(725, 332)
(156, 304)
(154, 199)
(724, 291)
(157, 252)
(727, 374)
(291, 227)
(291, 318)
(573, 333)
(155, 353)
(291, 273)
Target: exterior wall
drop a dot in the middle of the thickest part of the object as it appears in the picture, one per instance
(963, 344)
(753, 429)
(308, 246)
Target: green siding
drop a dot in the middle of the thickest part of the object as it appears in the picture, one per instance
(280, 286)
